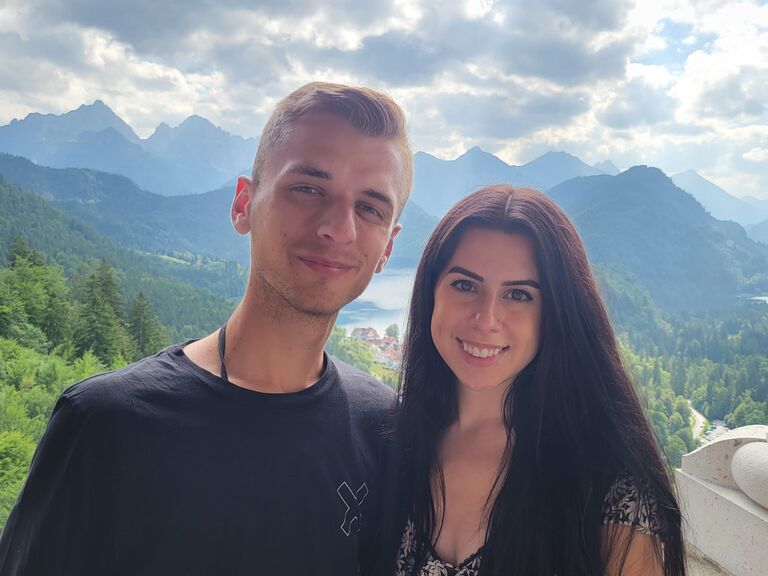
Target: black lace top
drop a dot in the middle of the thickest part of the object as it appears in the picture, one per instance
(624, 504)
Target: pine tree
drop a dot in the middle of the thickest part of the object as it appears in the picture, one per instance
(21, 250)
(99, 327)
(107, 284)
(148, 334)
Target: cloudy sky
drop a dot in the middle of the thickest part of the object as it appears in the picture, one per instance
(676, 84)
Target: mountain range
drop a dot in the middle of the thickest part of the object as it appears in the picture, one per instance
(677, 239)
(196, 157)
(193, 157)
(438, 184)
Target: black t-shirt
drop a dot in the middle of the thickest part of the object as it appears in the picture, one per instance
(164, 468)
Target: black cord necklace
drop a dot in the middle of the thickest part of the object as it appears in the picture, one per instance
(222, 348)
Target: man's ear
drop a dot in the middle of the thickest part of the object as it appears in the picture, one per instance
(388, 249)
(243, 196)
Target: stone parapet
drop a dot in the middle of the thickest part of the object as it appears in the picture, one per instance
(721, 486)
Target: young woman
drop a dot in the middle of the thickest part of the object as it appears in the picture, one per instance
(521, 446)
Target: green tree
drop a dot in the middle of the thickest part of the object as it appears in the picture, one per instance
(99, 326)
(675, 450)
(393, 331)
(20, 249)
(105, 281)
(15, 455)
(748, 412)
(148, 334)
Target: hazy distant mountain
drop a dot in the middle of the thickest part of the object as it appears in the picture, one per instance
(759, 232)
(208, 154)
(607, 167)
(438, 184)
(758, 202)
(717, 201)
(641, 222)
(198, 223)
(553, 168)
(194, 157)
(39, 135)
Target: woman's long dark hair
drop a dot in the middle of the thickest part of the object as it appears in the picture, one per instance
(573, 418)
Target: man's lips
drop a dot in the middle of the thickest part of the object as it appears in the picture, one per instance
(325, 266)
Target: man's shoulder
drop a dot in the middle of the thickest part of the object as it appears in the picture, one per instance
(121, 389)
(363, 388)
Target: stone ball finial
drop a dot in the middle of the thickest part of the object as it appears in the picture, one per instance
(749, 467)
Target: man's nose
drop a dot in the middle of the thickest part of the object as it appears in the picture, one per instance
(338, 223)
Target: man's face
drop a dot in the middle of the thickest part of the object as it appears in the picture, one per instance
(322, 218)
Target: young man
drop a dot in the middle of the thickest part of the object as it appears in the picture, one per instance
(249, 451)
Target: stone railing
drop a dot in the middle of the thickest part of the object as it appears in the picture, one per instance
(723, 490)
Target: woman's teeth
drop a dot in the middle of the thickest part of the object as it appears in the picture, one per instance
(480, 352)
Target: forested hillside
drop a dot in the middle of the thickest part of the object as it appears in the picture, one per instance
(641, 223)
(190, 293)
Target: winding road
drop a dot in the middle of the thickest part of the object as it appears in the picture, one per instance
(699, 422)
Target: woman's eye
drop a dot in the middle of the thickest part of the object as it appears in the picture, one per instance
(519, 295)
(463, 286)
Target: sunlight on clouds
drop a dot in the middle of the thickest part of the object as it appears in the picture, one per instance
(409, 13)
(12, 15)
(478, 8)
(756, 155)
(320, 28)
(653, 74)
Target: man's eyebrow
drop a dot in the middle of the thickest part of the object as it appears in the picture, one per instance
(307, 170)
(376, 195)
(465, 272)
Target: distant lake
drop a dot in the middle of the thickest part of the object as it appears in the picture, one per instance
(384, 302)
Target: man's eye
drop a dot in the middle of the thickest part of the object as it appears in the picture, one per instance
(311, 190)
(371, 211)
(463, 286)
(519, 295)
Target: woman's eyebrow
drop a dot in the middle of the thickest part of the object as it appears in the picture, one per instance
(465, 272)
(531, 283)
(460, 270)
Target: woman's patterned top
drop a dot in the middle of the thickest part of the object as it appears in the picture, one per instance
(624, 504)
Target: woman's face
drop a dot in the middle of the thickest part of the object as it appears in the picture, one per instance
(487, 313)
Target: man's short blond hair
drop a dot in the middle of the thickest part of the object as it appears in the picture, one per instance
(370, 112)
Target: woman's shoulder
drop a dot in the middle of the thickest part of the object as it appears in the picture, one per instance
(630, 502)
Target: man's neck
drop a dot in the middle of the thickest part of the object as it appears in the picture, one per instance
(267, 350)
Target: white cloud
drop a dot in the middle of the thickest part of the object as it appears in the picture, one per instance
(756, 155)
(593, 79)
